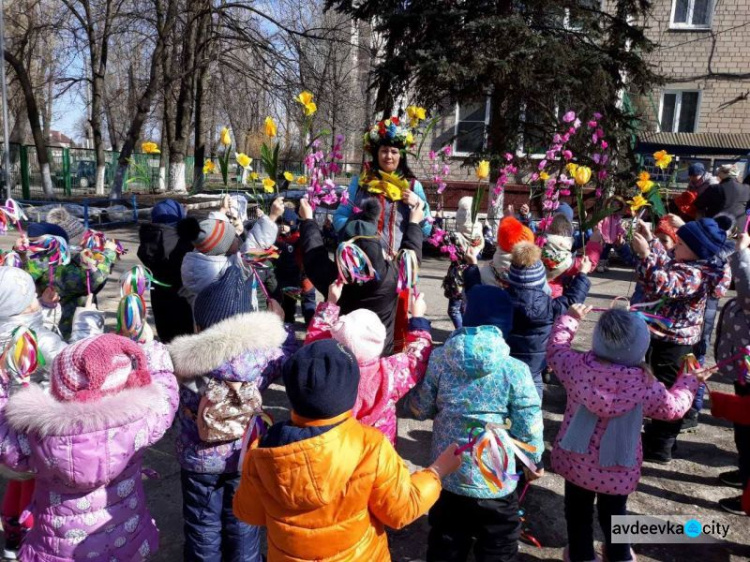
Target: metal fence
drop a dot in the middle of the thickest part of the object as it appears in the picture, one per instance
(73, 171)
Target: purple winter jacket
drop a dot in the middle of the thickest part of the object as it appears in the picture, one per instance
(89, 502)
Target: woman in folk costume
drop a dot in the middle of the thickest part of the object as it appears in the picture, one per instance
(388, 177)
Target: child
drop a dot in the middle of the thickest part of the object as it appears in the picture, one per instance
(534, 309)
(683, 283)
(162, 251)
(557, 254)
(289, 272)
(465, 236)
(597, 449)
(84, 441)
(323, 485)
(509, 233)
(732, 335)
(383, 380)
(222, 370)
(380, 294)
(473, 379)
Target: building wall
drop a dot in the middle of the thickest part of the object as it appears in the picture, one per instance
(695, 59)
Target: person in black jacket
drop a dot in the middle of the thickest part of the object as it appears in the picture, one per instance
(729, 196)
(161, 250)
(378, 295)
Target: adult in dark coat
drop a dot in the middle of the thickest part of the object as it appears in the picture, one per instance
(161, 250)
(378, 295)
(729, 196)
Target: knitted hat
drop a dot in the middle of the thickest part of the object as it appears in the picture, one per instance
(511, 232)
(71, 225)
(226, 297)
(361, 331)
(621, 337)
(97, 366)
(696, 169)
(321, 380)
(665, 227)
(704, 237)
(290, 218)
(526, 269)
(17, 291)
(489, 306)
(557, 255)
(37, 229)
(167, 211)
(730, 170)
(364, 223)
(565, 210)
(212, 237)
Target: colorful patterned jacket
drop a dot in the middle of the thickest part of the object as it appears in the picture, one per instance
(683, 288)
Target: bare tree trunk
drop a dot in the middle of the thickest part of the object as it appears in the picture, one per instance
(201, 89)
(34, 121)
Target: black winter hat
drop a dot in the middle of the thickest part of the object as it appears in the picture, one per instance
(321, 380)
(365, 222)
(226, 297)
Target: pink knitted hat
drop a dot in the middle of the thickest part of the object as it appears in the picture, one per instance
(95, 367)
(362, 332)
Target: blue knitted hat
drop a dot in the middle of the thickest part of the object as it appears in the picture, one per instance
(696, 169)
(621, 337)
(704, 237)
(566, 210)
(37, 229)
(168, 211)
(526, 268)
(228, 296)
(489, 306)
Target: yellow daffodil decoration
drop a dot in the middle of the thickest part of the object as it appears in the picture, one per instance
(306, 99)
(226, 139)
(270, 126)
(289, 176)
(637, 203)
(209, 167)
(268, 184)
(483, 170)
(582, 175)
(389, 185)
(150, 148)
(662, 159)
(644, 182)
(544, 176)
(301, 180)
(243, 160)
(254, 176)
(416, 114)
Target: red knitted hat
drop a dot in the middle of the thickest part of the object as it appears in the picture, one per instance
(95, 367)
(665, 227)
(511, 232)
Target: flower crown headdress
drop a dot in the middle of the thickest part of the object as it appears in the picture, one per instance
(390, 131)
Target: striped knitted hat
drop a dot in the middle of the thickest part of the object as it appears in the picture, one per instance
(526, 269)
(95, 367)
(228, 296)
(215, 238)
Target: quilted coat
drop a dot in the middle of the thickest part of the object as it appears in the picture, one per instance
(382, 381)
(244, 348)
(473, 380)
(89, 502)
(607, 390)
(329, 497)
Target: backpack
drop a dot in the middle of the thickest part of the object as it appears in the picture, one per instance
(226, 409)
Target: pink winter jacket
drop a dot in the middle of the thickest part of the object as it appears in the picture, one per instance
(593, 251)
(607, 390)
(89, 502)
(383, 381)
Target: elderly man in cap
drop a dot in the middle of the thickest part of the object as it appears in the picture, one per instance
(729, 196)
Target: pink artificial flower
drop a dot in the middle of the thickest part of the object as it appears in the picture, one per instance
(446, 170)
(447, 150)
(592, 124)
(338, 155)
(594, 138)
(577, 123)
(508, 156)
(340, 138)
(542, 165)
(316, 143)
(344, 197)
(431, 155)
(557, 139)
(605, 159)
(551, 183)
(567, 154)
(534, 176)
(605, 145)
(330, 198)
(600, 132)
(569, 117)
(597, 115)
(602, 175)
(597, 158)
(598, 192)
(551, 155)
(541, 240)
(572, 131)
(566, 137)
(441, 187)
(564, 192)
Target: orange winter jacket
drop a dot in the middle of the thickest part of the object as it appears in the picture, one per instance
(329, 497)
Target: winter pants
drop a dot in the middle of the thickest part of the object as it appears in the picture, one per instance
(492, 525)
(742, 438)
(456, 312)
(664, 358)
(212, 532)
(16, 500)
(701, 348)
(579, 518)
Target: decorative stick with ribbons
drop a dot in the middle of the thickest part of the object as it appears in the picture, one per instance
(258, 258)
(10, 259)
(21, 356)
(353, 264)
(690, 365)
(11, 213)
(52, 249)
(408, 271)
(138, 279)
(131, 316)
(651, 318)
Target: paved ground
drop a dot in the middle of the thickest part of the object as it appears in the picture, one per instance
(687, 486)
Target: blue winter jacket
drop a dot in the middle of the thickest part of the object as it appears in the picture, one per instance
(473, 380)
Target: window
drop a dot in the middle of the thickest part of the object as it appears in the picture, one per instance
(471, 124)
(691, 14)
(678, 112)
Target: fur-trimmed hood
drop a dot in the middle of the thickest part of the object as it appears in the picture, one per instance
(199, 354)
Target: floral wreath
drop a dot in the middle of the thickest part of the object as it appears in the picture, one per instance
(390, 130)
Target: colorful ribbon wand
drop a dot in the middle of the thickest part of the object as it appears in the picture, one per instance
(138, 279)
(51, 248)
(256, 258)
(651, 318)
(11, 213)
(131, 316)
(353, 264)
(21, 356)
(408, 271)
(10, 259)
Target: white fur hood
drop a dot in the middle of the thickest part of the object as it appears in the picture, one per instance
(198, 354)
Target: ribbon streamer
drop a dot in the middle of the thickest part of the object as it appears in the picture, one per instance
(21, 356)
(408, 270)
(11, 259)
(258, 256)
(131, 316)
(353, 264)
(138, 279)
(293, 293)
(11, 213)
(257, 428)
